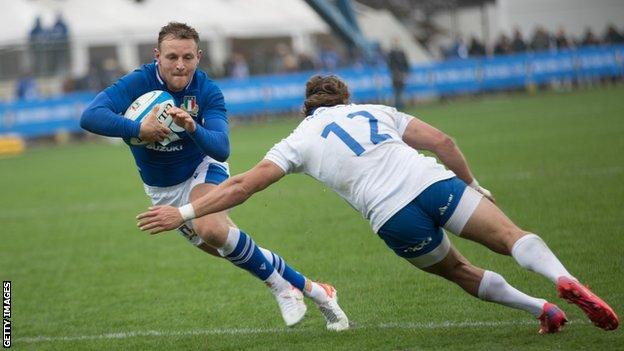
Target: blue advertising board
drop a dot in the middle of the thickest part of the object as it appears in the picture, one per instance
(259, 95)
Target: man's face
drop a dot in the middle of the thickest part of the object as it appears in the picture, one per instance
(177, 61)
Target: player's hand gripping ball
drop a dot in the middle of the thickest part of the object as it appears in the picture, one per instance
(141, 108)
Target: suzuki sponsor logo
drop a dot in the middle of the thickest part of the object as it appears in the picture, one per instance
(164, 148)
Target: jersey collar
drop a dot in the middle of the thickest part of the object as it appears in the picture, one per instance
(323, 108)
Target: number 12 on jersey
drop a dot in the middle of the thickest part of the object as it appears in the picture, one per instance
(356, 147)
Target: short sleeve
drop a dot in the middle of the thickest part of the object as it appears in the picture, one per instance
(285, 155)
(401, 120)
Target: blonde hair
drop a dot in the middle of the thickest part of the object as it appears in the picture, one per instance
(177, 30)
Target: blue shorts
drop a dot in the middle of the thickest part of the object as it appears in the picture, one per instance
(416, 229)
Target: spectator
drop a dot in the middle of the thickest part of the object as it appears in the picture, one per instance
(329, 57)
(379, 58)
(458, 49)
(69, 84)
(284, 60)
(236, 66)
(111, 72)
(561, 39)
(100, 75)
(58, 36)
(612, 36)
(540, 40)
(93, 80)
(502, 46)
(399, 70)
(306, 63)
(476, 48)
(590, 38)
(37, 39)
(26, 87)
(357, 58)
(517, 42)
(227, 65)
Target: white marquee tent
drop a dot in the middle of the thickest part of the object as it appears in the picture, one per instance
(124, 23)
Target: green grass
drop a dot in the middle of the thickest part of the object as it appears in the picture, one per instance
(81, 270)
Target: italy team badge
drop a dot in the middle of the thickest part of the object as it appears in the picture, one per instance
(189, 104)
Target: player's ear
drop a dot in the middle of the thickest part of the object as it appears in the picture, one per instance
(157, 54)
(199, 55)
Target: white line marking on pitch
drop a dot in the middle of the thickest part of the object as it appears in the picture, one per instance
(250, 331)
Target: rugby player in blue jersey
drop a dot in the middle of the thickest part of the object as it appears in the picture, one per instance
(177, 172)
(368, 155)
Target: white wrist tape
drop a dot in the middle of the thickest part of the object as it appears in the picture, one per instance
(187, 212)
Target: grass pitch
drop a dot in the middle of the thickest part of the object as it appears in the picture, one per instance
(84, 277)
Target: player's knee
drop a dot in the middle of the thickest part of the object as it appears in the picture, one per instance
(507, 236)
(213, 233)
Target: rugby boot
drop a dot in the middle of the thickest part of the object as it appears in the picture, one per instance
(334, 315)
(552, 319)
(598, 311)
(291, 305)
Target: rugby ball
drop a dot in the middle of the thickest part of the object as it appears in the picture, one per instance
(143, 105)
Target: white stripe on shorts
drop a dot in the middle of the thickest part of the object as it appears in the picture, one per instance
(434, 256)
(465, 208)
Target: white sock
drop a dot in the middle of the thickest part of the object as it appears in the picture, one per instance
(316, 293)
(276, 283)
(532, 253)
(230, 242)
(494, 288)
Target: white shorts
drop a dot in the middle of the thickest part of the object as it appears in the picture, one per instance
(208, 171)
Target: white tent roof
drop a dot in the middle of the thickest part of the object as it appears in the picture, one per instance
(18, 19)
(124, 19)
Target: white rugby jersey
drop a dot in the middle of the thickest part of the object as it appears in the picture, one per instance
(358, 151)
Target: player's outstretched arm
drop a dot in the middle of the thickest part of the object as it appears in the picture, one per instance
(230, 193)
(420, 135)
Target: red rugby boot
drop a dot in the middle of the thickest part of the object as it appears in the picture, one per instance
(598, 311)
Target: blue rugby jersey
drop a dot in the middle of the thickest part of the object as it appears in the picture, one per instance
(172, 164)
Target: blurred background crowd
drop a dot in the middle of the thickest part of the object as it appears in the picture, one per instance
(57, 55)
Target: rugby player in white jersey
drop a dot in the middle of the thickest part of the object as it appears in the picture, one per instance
(368, 155)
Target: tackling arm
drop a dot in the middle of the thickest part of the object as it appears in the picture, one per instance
(228, 194)
(238, 189)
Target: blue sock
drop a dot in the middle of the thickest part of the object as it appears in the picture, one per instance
(247, 255)
(292, 276)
